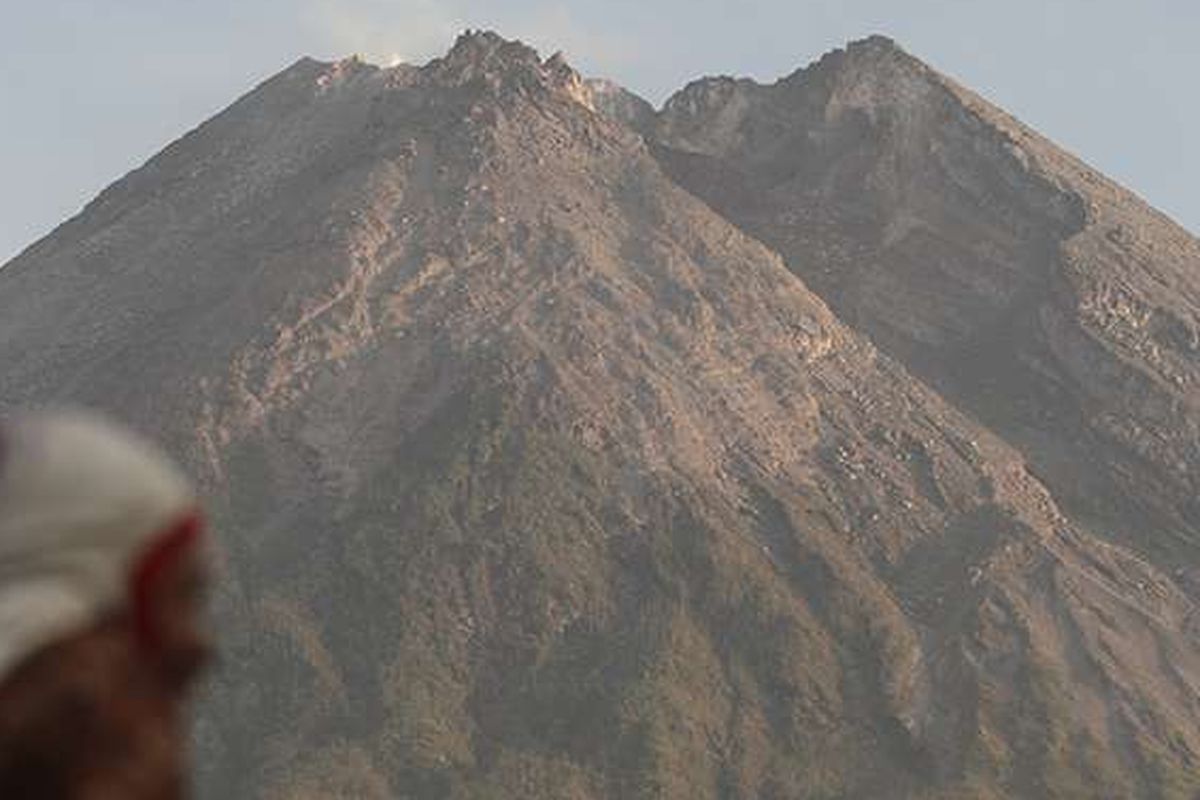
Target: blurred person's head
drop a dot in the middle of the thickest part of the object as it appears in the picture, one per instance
(102, 629)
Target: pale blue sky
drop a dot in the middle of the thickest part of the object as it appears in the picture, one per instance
(91, 88)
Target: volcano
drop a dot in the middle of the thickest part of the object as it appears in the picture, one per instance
(832, 438)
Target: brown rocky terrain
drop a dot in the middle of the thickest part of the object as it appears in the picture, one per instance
(1051, 304)
(829, 439)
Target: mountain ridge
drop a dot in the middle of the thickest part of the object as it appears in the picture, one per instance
(1043, 183)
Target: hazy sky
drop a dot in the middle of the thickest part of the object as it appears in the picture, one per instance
(89, 89)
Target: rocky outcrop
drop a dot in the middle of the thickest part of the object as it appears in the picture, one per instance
(622, 105)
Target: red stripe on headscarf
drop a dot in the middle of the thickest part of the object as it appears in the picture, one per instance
(163, 551)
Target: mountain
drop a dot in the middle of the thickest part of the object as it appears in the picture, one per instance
(823, 439)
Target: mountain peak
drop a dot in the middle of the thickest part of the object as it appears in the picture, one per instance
(487, 57)
(876, 58)
(489, 47)
(876, 41)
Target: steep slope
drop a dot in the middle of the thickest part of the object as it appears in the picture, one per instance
(1055, 306)
(538, 478)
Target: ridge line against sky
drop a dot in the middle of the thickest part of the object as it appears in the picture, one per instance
(92, 90)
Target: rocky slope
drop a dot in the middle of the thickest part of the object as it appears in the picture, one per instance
(539, 477)
(1054, 306)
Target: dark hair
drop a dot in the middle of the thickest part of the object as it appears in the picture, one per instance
(49, 721)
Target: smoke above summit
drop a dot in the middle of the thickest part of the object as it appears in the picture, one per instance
(381, 32)
(415, 31)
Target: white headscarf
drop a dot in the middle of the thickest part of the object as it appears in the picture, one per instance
(80, 500)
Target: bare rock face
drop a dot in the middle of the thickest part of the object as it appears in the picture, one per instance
(622, 105)
(537, 476)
